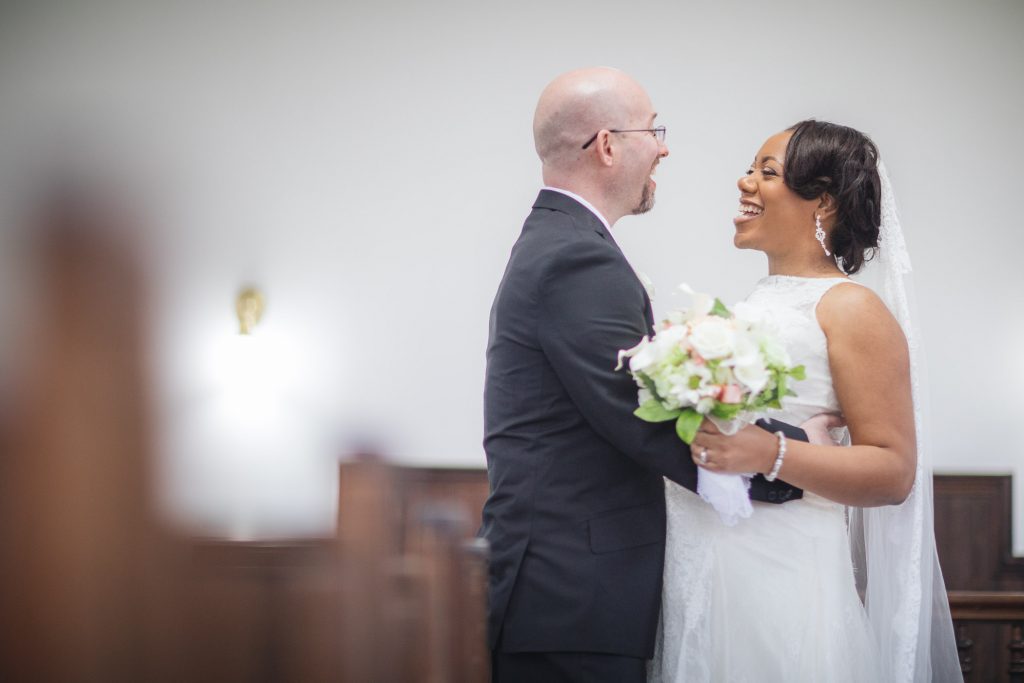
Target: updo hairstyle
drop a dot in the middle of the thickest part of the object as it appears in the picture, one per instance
(825, 157)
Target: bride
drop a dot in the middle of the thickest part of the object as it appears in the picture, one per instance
(844, 584)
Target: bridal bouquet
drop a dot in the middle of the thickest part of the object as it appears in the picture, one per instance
(710, 362)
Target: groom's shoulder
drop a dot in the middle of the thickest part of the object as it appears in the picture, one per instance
(559, 243)
(554, 225)
(560, 233)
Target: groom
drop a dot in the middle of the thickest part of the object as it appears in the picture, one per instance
(576, 513)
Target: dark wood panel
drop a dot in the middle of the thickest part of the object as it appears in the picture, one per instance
(973, 516)
(973, 533)
(398, 595)
(456, 495)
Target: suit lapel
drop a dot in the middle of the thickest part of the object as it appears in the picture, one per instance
(648, 312)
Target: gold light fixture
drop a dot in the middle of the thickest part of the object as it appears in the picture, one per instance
(249, 306)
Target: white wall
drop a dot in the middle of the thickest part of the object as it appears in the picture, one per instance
(369, 166)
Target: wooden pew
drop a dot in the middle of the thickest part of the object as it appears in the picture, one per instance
(397, 595)
(985, 581)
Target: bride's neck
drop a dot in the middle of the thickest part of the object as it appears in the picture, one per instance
(803, 265)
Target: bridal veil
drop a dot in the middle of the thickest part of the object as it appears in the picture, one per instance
(894, 552)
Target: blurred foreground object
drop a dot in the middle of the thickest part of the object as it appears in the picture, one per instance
(81, 574)
(95, 587)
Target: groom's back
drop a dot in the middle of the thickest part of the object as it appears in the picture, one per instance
(566, 507)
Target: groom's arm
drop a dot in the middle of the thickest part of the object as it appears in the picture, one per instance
(591, 306)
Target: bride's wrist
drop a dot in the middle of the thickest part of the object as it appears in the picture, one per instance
(775, 464)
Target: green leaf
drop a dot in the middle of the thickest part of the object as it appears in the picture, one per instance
(720, 309)
(727, 411)
(648, 382)
(798, 372)
(694, 382)
(687, 424)
(653, 411)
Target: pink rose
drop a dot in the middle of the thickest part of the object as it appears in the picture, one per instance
(731, 393)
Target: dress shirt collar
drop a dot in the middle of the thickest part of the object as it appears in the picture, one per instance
(582, 201)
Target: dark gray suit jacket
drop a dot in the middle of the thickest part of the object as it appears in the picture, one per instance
(576, 513)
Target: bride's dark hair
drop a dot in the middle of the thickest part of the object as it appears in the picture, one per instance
(826, 157)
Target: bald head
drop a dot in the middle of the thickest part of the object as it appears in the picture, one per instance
(579, 103)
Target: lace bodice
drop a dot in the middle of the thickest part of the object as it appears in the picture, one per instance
(793, 302)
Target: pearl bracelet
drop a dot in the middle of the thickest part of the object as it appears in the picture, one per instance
(778, 458)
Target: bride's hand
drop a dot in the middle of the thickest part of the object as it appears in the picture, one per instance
(749, 450)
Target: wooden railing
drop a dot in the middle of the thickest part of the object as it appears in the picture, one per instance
(1000, 611)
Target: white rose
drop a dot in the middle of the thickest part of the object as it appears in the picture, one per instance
(752, 373)
(713, 337)
(746, 349)
(667, 341)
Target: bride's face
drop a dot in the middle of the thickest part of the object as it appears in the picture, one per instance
(771, 217)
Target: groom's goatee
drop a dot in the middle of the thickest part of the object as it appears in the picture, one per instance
(646, 201)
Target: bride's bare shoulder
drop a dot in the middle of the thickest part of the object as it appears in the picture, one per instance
(854, 312)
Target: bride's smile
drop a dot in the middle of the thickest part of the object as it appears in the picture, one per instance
(747, 211)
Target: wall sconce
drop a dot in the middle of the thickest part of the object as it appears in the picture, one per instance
(249, 306)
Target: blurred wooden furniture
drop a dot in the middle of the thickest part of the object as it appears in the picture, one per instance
(985, 581)
(93, 587)
(87, 573)
(398, 595)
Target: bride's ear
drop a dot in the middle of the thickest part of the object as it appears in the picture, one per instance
(827, 208)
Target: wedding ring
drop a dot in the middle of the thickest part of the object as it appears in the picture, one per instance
(703, 456)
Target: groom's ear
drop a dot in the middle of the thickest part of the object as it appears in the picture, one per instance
(604, 148)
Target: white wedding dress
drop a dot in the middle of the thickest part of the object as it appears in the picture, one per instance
(772, 598)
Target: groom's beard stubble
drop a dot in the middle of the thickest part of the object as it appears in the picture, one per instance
(646, 201)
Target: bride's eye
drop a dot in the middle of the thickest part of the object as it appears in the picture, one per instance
(768, 171)
(749, 171)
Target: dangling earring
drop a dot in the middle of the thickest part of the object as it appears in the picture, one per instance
(819, 234)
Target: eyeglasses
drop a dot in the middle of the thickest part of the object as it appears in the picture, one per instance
(658, 133)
